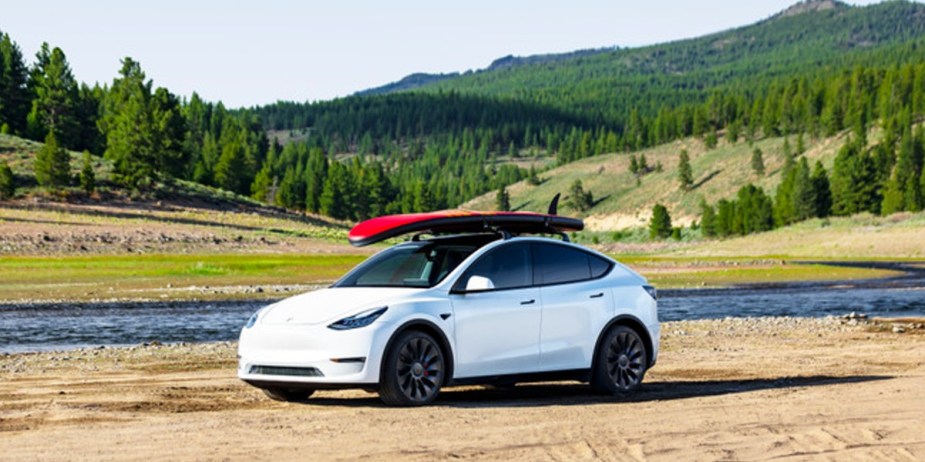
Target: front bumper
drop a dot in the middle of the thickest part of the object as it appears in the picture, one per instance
(289, 355)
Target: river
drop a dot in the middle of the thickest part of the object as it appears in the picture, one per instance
(40, 327)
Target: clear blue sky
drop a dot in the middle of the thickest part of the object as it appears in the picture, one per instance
(247, 53)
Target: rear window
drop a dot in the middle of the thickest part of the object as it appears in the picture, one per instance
(599, 266)
(556, 264)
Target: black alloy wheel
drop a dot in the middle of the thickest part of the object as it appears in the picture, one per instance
(621, 362)
(414, 370)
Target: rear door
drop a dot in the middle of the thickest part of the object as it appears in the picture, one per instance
(577, 302)
(497, 330)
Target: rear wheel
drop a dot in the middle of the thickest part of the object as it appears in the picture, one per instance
(621, 362)
(413, 371)
(289, 396)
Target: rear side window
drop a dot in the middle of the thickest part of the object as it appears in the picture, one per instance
(508, 267)
(556, 264)
(599, 266)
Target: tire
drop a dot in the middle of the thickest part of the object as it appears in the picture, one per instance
(413, 370)
(289, 396)
(621, 362)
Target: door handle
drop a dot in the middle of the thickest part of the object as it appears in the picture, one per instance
(528, 302)
(598, 295)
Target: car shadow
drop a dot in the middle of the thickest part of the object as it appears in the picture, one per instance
(564, 394)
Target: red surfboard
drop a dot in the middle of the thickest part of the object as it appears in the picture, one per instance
(459, 221)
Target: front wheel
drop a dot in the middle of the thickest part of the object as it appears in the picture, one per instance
(289, 396)
(621, 362)
(413, 370)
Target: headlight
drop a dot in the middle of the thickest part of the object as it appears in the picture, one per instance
(359, 320)
(651, 291)
(253, 319)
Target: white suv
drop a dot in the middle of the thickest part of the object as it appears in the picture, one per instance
(465, 309)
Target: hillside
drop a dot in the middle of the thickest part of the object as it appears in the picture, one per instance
(812, 38)
(176, 217)
(620, 203)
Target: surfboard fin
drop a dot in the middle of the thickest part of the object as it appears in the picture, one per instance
(554, 205)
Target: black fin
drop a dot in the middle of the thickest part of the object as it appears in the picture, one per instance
(554, 205)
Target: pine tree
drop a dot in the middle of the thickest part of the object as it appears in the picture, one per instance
(578, 198)
(643, 164)
(291, 192)
(784, 212)
(230, 172)
(7, 181)
(316, 172)
(804, 199)
(685, 173)
(87, 175)
(334, 199)
(634, 164)
(758, 162)
(532, 177)
(54, 108)
(821, 191)
(660, 223)
(503, 200)
(126, 122)
(725, 218)
(707, 219)
(14, 94)
(169, 131)
(52, 164)
(854, 181)
(710, 140)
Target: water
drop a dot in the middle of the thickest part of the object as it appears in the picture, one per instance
(817, 302)
(62, 326)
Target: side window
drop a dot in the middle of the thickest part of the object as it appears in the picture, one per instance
(508, 267)
(556, 264)
(599, 266)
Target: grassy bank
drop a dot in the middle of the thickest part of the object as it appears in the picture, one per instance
(211, 277)
(163, 276)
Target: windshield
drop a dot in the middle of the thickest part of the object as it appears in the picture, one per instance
(421, 264)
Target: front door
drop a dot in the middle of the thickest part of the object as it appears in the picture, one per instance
(498, 329)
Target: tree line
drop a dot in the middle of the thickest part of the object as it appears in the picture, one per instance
(409, 152)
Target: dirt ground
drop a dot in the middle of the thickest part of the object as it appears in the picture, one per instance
(733, 389)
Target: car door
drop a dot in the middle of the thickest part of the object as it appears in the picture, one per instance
(576, 304)
(498, 329)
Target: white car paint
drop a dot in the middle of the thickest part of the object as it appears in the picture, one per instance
(488, 333)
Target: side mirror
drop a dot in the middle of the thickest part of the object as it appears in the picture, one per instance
(477, 283)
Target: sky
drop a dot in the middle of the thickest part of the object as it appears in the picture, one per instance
(250, 53)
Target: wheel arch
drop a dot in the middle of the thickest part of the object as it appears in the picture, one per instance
(633, 323)
(428, 328)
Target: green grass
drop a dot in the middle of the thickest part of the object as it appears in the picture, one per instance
(172, 276)
(720, 277)
(149, 276)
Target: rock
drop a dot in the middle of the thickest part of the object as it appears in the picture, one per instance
(898, 329)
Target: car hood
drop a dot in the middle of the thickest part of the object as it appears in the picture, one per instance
(331, 304)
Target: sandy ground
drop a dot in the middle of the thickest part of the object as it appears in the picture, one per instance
(734, 389)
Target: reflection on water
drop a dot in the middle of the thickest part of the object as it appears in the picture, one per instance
(60, 326)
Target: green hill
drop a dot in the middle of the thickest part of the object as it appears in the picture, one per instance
(811, 39)
(619, 202)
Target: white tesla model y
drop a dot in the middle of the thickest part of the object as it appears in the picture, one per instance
(472, 307)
